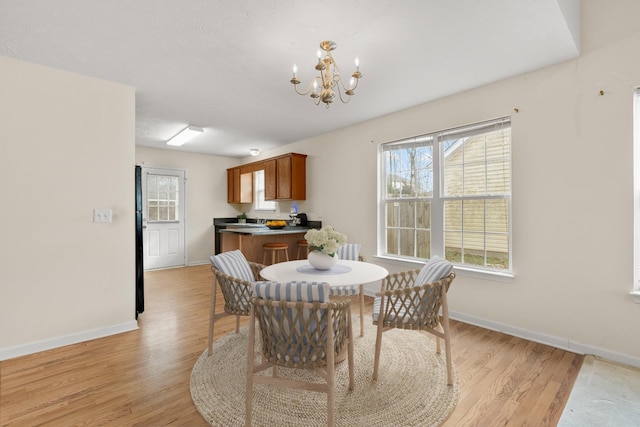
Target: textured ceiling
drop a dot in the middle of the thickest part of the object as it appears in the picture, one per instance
(225, 65)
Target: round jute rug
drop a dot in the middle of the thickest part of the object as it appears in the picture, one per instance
(411, 389)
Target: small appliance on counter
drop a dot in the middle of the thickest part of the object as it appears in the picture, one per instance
(298, 219)
(301, 219)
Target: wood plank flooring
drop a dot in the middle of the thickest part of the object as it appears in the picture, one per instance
(141, 378)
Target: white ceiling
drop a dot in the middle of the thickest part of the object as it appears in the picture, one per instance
(225, 65)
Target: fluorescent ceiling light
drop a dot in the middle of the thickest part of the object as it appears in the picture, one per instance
(185, 135)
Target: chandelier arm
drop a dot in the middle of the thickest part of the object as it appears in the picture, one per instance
(340, 93)
(309, 89)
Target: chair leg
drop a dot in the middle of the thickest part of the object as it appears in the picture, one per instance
(249, 390)
(331, 372)
(361, 310)
(447, 336)
(376, 361)
(237, 323)
(212, 315)
(350, 353)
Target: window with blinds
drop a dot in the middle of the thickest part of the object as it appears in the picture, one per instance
(449, 194)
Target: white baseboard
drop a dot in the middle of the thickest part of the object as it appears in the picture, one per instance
(553, 341)
(48, 344)
(194, 263)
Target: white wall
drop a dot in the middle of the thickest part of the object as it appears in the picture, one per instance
(66, 147)
(572, 189)
(206, 194)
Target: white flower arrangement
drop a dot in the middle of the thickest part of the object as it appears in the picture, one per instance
(326, 240)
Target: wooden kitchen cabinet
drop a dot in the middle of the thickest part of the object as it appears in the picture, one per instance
(270, 179)
(286, 177)
(239, 185)
(233, 185)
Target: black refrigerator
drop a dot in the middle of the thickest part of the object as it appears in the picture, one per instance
(139, 252)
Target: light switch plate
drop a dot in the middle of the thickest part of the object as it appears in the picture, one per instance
(102, 215)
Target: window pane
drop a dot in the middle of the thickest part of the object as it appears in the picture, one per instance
(423, 214)
(407, 242)
(453, 215)
(393, 219)
(392, 241)
(473, 215)
(407, 214)
(423, 243)
(497, 215)
(453, 246)
(162, 192)
(409, 171)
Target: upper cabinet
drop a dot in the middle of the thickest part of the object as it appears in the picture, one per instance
(285, 178)
(233, 185)
(239, 186)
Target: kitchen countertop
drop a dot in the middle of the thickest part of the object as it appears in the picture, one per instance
(262, 231)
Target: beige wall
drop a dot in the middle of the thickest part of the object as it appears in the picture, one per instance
(206, 194)
(66, 147)
(572, 185)
(572, 189)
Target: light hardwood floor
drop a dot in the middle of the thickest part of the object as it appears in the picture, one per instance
(142, 377)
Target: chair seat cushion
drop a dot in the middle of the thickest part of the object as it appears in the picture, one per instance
(234, 264)
(435, 269)
(347, 290)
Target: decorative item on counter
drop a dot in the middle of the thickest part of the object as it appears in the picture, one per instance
(323, 245)
(276, 225)
(242, 218)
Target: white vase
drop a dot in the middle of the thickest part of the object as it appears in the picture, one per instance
(322, 261)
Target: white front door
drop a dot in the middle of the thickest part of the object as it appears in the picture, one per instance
(163, 198)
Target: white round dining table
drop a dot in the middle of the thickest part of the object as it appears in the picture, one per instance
(344, 273)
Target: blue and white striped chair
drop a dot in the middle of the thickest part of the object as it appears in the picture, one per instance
(293, 319)
(351, 251)
(416, 300)
(235, 275)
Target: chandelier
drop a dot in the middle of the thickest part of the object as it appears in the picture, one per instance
(324, 86)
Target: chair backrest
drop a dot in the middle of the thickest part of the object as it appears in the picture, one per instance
(349, 251)
(416, 307)
(435, 269)
(234, 275)
(234, 264)
(293, 319)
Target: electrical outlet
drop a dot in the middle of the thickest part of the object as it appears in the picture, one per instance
(102, 215)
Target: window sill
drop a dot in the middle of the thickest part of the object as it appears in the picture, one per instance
(635, 295)
(465, 271)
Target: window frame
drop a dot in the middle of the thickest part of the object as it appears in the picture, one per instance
(438, 198)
